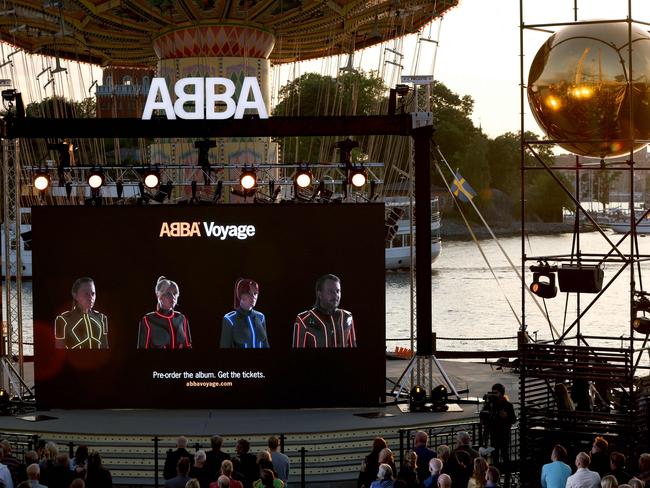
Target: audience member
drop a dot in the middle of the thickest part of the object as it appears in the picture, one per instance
(245, 464)
(384, 477)
(78, 462)
(268, 480)
(33, 476)
(600, 456)
(263, 461)
(78, 483)
(280, 460)
(555, 473)
(478, 475)
(5, 474)
(644, 467)
(444, 481)
(181, 478)
(171, 461)
(215, 457)
(435, 470)
(443, 454)
(222, 482)
(425, 454)
(386, 457)
(464, 443)
(193, 483)
(636, 483)
(60, 474)
(617, 466)
(459, 468)
(609, 481)
(492, 477)
(370, 464)
(227, 471)
(16, 468)
(407, 473)
(97, 476)
(48, 459)
(583, 477)
(200, 469)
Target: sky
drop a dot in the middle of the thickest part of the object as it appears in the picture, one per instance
(477, 55)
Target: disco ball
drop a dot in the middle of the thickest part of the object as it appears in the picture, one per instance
(578, 90)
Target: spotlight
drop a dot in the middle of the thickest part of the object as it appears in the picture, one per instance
(417, 399)
(303, 178)
(439, 396)
(96, 178)
(545, 288)
(41, 180)
(358, 177)
(152, 178)
(641, 325)
(248, 179)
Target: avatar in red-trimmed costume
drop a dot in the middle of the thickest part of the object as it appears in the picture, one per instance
(165, 328)
(82, 327)
(325, 325)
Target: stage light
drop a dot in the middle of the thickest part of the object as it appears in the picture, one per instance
(439, 396)
(152, 178)
(358, 177)
(303, 178)
(96, 178)
(41, 180)
(545, 288)
(248, 179)
(641, 325)
(417, 399)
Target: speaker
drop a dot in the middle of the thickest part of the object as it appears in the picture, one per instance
(580, 279)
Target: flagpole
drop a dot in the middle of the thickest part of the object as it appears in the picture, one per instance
(512, 265)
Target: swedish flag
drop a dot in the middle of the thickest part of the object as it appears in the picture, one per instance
(461, 189)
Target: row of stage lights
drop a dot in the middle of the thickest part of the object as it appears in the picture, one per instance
(303, 178)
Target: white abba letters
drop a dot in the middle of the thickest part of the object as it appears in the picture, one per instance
(205, 98)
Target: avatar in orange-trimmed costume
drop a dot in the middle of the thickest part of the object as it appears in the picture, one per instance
(165, 328)
(82, 327)
(325, 325)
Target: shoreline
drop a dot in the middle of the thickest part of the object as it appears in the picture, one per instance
(455, 230)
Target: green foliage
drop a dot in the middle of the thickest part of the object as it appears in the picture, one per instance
(314, 94)
(60, 107)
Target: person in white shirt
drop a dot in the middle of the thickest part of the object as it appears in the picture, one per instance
(583, 477)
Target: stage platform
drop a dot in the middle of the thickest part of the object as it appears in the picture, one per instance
(335, 440)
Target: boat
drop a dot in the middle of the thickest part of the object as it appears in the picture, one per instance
(398, 232)
(624, 227)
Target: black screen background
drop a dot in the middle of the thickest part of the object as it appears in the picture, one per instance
(120, 248)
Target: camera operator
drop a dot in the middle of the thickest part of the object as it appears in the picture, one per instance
(498, 416)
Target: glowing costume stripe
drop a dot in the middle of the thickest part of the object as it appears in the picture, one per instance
(187, 335)
(146, 322)
(250, 324)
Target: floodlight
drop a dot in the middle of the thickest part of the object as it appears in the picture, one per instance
(41, 180)
(543, 284)
(417, 399)
(248, 179)
(358, 177)
(152, 178)
(303, 178)
(96, 178)
(641, 325)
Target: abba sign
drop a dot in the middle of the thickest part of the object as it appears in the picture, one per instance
(204, 99)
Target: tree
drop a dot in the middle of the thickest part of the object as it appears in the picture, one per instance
(61, 107)
(312, 94)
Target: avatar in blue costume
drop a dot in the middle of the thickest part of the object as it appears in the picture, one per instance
(244, 328)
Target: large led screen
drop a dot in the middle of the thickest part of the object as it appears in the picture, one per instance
(251, 306)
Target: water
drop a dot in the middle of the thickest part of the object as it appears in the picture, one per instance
(468, 302)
